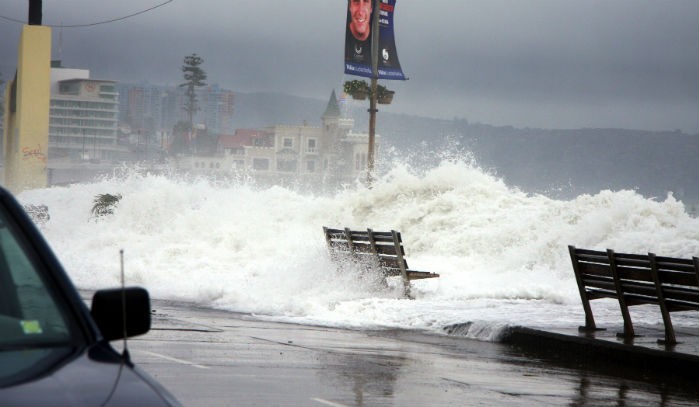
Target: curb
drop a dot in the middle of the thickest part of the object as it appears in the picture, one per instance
(584, 350)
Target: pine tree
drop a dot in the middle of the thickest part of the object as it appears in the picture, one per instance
(194, 78)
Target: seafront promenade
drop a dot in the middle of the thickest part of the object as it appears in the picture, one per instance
(213, 357)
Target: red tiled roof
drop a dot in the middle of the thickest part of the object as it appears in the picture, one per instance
(241, 138)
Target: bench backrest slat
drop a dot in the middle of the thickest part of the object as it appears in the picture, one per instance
(635, 274)
(591, 254)
(630, 259)
(674, 305)
(382, 236)
(392, 262)
(388, 250)
(361, 247)
(682, 294)
(677, 278)
(594, 270)
(671, 263)
(358, 236)
(603, 284)
(636, 288)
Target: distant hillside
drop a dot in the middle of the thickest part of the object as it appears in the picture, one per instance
(253, 110)
(559, 163)
(564, 163)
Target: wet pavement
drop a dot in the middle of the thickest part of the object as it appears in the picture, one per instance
(209, 357)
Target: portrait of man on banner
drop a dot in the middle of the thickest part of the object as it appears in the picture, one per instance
(358, 45)
(358, 35)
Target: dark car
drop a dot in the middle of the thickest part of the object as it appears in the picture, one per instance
(53, 350)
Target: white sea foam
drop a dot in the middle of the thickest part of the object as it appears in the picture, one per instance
(502, 253)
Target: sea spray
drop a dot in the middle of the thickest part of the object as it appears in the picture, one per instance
(501, 253)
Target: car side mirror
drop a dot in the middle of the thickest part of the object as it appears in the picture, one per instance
(108, 311)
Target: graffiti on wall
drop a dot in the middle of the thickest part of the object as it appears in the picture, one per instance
(34, 153)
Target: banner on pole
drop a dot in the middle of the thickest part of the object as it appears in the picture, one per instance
(360, 16)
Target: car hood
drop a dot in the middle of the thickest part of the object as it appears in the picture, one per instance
(65, 377)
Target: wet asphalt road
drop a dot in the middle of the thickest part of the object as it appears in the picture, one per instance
(214, 358)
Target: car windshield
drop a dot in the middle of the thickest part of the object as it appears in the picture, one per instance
(31, 315)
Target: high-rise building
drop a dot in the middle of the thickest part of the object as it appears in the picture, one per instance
(83, 117)
(144, 107)
(216, 109)
(150, 109)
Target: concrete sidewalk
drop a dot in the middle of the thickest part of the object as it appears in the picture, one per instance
(212, 357)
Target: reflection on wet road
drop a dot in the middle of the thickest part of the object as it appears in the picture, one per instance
(210, 357)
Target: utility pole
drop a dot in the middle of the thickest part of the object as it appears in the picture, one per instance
(372, 94)
(25, 138)
(35, 12)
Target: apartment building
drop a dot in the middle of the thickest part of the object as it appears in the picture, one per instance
(83, 117)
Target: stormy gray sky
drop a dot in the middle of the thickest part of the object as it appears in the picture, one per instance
(526, 63)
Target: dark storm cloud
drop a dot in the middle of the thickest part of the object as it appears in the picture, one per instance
(539, 63)
(584, 50)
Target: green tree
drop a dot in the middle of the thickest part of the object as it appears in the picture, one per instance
(194, 77)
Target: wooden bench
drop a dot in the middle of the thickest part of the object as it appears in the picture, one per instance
(377, 250)
(634, 279)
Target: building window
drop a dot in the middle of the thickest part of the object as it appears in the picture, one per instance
(261, 164)
(288, 142)
(312, 145)
(357, 162)
(310, 166)
(286, 165)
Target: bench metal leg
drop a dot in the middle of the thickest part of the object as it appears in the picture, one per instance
(590, 325)
(628, 325)
(667, 322)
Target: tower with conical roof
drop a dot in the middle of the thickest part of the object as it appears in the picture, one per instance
(335, 130)
(333, 108)
(335, 125)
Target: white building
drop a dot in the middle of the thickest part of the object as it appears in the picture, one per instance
(83, 118)
(330, 152)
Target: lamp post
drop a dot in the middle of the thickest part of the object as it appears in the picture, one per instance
(372, 94)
